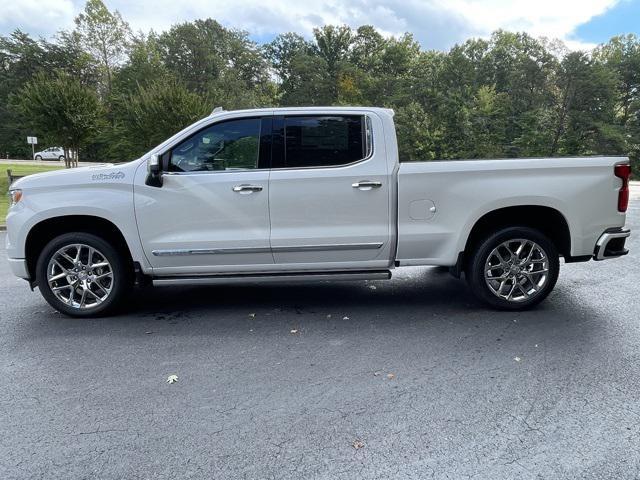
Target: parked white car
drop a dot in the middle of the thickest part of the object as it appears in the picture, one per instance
(309, 194)
(51, 153)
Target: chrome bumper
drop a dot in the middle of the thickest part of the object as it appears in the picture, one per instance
(611, 244)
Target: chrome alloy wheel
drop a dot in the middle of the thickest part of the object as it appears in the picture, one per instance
(517, 270)
(80, 276)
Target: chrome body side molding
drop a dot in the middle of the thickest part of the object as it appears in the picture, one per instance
(295, 248)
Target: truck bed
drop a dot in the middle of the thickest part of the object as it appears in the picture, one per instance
(440, 201)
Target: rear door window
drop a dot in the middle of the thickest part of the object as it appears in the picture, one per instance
(324, 140)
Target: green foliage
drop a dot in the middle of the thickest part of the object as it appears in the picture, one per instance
(65, 111)
(104, 35)
(212, 60)
(151, 114)
(505, 96)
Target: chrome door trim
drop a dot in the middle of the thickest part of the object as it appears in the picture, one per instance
(331, 247)
(209, 251)
(293, 248)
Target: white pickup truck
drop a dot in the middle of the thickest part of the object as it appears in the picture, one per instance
(309, 193)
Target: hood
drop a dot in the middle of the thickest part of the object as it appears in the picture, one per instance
(103, 173)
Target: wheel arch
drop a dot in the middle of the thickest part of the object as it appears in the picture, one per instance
(44, 231)
(548, 220)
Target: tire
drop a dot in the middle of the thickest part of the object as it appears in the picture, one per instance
(39, 158)
(519, 281)
(107, 276)
(61, 158)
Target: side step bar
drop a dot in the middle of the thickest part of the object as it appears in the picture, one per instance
(272, 278)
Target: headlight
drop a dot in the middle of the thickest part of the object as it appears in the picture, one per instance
(14, 197)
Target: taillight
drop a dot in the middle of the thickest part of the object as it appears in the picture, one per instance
(623, 172)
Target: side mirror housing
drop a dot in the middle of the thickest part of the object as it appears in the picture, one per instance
(154, 171)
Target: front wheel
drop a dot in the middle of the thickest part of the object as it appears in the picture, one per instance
(81, 275)
(514, 268)
(38, 157)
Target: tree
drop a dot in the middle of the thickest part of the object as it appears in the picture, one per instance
(308, 83)
(585, 115)
(332, 46)
(418, 137)
(21, 59)
(105, 35)
(282, 50)
(62, 109)
(210, 59)
(152, 114)
(622, 56)
(488, 122)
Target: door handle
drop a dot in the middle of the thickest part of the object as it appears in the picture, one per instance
(366, 185)
(247, 188)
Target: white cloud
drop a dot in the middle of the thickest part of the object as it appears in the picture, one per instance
(435, 23)
(39, 17)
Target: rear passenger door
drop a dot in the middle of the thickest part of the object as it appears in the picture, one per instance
(329, 192)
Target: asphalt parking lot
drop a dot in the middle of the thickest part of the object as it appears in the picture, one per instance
(410, 378)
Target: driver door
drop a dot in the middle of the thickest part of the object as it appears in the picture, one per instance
(211, 213)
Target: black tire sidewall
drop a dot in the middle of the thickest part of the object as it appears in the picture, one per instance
(121, 274)
(475, 268)
(38, 158)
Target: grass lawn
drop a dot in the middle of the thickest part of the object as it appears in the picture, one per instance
(17, 169)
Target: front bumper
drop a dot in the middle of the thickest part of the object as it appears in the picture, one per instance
(611, 244)
(19, 267)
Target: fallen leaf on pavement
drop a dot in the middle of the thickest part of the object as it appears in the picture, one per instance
(172, 378)
(517, 359)
(294, 331)
(391, 376)
(345, 318)
(252, 315)
(376, 374)
(358, 444)
(372, 287)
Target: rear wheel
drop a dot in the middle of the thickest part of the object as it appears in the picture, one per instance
(61, 158)
(514, 268)
(38, 157)
(81, 275)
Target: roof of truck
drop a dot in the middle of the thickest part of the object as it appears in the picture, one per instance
(342, 108)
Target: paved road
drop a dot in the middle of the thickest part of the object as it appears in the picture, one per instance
(552, 393)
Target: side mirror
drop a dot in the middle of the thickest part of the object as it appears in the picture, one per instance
(154, 171)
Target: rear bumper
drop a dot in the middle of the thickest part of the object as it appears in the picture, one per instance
(19, 267)
(611, 244)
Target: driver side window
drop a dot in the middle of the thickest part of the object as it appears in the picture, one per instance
(231, 145)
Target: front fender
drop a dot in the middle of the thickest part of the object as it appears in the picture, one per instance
(111, 200)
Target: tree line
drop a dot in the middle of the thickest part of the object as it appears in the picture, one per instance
(111, 94)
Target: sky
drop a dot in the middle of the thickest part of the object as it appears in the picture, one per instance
(436, 24)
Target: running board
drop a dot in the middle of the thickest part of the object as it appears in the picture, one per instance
(272, 278)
